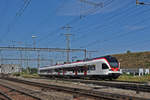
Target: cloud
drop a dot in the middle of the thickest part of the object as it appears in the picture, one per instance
(133, 28)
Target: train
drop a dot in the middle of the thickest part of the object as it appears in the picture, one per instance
(106, 67)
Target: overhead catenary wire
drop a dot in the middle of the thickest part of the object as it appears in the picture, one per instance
(17, 15)
(57, 30)
(4, 10)
(102, 30)
(96, 41)
(81, 37)
(51, 34)
(119, 36)
(25, 5)
(112, 38)
(84, 26)
(111, 19)
(45, 20)
(106, 4)
(125, 47)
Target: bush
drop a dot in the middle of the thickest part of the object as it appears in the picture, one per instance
(16, 74)
(125, 77)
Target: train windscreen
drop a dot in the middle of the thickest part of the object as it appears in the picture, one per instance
(113, 61)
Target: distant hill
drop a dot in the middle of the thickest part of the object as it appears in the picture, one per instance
(134, 60)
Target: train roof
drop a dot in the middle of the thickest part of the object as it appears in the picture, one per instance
(77, 62)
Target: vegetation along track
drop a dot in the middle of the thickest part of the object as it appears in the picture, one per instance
(82, 92)
(8, 93)
(93, 80)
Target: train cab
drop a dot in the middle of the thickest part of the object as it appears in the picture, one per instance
(114, 70)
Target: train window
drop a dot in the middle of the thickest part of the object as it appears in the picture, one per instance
(78, 71)
(43, 71)
(69, 69)
(104, 66)
(91, 67)
(49, 71)
(56, 70)
(82, 70)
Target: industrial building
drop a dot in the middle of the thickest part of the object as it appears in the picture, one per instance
(136, 71)
(10, 68)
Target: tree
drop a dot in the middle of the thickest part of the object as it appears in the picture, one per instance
(128, 51)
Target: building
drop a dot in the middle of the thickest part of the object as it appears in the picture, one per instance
(136, 71)
(10, 68)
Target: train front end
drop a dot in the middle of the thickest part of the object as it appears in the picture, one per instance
(114, 70)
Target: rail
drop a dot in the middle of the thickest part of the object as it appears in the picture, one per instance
(127, 86)
(91, 93)
(21, 92)
(5, 96)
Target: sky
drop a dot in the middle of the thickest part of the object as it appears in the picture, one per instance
(110, 27)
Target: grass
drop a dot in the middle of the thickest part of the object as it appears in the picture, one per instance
(30, 75)
(134, 60)
(144, 78)
(123, 77)
(26, 75)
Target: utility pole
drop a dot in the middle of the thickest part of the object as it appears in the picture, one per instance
(51, 61)
(68, 45)
(85, 53)
(38, 59)
(1, 57)
(90, 53)
(21, 58)
(67, 35)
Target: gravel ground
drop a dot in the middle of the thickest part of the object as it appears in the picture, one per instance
(43, 93)
(93, 87)
(148, 83)
(15, 95)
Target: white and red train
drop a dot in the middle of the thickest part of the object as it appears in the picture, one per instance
(102, 67)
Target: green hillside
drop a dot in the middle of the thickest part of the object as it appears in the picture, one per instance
(134, 60)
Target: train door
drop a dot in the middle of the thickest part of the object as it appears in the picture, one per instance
(75, 71)
(105, 69)
(98, 68)
(85, 70)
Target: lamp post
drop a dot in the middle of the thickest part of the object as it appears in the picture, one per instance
(34, 42)
(142, 3)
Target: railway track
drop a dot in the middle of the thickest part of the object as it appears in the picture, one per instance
(130, 82)
(136, 82)
(9, 93)
(3, 96)
(83, 92)
(139, 87)
(128, 85)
